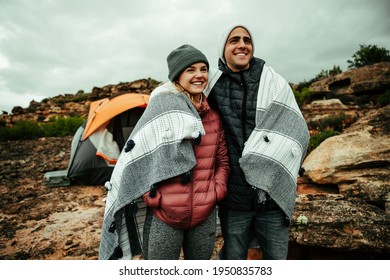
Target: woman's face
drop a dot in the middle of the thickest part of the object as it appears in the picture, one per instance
(194, 78)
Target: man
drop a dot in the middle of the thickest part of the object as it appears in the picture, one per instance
(267, 139)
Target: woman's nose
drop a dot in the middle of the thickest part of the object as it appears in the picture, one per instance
(198, 73)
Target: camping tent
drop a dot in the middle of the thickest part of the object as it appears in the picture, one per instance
(97, 143)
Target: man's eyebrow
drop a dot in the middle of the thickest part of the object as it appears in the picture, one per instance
(238, 37)
(234, 38)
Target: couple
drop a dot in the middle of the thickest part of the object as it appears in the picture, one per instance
(240, 148)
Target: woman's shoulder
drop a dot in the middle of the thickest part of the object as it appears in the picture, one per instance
(212, 115)
(166, 94)
(164, 88)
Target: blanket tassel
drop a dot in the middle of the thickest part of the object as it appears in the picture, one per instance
(129, 145)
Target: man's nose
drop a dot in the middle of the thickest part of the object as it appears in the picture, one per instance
(241, 43)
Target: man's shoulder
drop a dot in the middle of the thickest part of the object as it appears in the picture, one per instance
(258, 61)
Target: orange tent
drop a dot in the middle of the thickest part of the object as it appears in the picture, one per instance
(101, 111)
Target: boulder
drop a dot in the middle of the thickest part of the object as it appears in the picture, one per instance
(358, 160)
(336, 223)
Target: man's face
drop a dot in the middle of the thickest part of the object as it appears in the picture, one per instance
(238, 50)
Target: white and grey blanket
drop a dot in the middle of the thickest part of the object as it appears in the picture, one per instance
(160, 147)
(276, 148)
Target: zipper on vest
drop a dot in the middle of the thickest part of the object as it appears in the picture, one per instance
(192, 202)
(243, 107)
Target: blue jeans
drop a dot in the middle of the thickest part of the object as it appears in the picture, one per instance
(269, 227)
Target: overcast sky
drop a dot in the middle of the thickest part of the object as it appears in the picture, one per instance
(53, 47)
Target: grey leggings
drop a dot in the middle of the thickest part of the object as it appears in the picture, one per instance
(163, 242)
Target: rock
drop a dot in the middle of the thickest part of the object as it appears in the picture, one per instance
(371, 78)
(18, 110)
(321, 109)
(332, 103)
(358, 160)
(334, 222)
(387, 203)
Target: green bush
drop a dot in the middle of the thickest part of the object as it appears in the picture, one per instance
(302, 96)
(317, 139)
(4, 133)
(384, 99)
(304, 84)
(327, 73)
(367, 55)
(80, 96)
(22, 130)
(56, 127)
(59, 127)
(332, 123)
(363, 100)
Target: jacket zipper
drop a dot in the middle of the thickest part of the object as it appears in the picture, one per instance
(243, 112)
(192, 201)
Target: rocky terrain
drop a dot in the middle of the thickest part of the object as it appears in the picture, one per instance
(343, 200)
(37, 222)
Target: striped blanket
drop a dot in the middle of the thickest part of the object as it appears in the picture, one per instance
(276, 148)
(160, 147)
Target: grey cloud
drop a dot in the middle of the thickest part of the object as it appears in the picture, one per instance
(54, 47)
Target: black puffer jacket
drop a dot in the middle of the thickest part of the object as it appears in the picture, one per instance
(234, 96)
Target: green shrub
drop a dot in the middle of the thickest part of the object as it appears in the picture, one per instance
(25, 129)
(327, 73)
(60, 126)
(367, 55)
(304, 84)
(56, 127)
(59, 102)
(81, 96)
(332, 123)
(317, 139)
(302, 96)
(363, 100)
(384, 99)
(4, 133)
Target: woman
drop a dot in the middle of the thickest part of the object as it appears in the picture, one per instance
(176, 159)
(181, 212)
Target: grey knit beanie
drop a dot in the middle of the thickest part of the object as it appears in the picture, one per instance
(183, 57)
